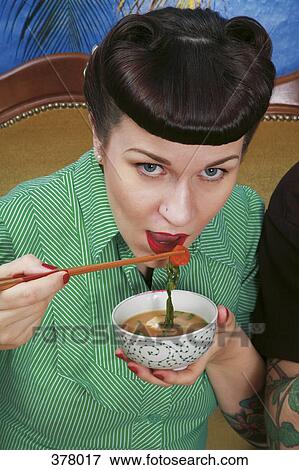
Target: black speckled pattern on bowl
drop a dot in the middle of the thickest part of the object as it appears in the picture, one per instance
(168, 353)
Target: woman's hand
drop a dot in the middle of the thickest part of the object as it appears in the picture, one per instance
(218, 352)
(23, 306)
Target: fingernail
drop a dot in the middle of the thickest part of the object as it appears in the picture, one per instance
(66, 278)
(49, 266)
(158, 376)
(133, 369)
(227, 314)
(18, 275)
(120, 355)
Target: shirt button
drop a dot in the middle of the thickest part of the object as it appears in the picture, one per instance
(141, 419)
(154, 418)
(148, 419)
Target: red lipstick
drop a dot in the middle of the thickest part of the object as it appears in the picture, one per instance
(159, 242)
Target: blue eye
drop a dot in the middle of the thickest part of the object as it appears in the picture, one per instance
(213, 174)
(211, 171)
(151, 169)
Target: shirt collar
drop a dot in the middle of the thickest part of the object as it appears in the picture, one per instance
(215, 241)
(90, 189)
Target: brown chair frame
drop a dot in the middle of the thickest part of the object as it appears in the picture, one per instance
(56, 81)
(48, 82)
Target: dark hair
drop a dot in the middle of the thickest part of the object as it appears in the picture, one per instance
(188, 76)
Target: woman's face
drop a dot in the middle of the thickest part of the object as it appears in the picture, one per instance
(159, 188)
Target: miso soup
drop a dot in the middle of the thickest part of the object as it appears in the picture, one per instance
(152, 323)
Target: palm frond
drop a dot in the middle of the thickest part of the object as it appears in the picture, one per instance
(47, 27)
(56, 26)
(121, 5)
(127, 7)
(155, 4)
(135, 6)
(18, 7)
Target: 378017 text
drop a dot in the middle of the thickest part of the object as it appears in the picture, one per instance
(75, 459)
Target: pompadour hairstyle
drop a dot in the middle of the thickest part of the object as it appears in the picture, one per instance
(189, 76)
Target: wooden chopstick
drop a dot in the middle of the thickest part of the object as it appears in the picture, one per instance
(6, 283)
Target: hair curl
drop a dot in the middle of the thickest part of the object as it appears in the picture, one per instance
(189, 76)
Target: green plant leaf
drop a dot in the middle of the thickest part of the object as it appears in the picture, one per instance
(288, 435)
(294, 396)
(255, 418)
(272, 432)
(278, 386)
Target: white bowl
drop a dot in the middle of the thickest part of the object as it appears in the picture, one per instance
(173, 352)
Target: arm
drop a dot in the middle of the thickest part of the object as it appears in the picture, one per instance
(277, 308)
(22, 306)
(242, 403)
(282, 404)
(238, 381)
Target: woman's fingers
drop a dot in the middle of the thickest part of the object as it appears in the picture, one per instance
(161, 377)
(226, 318)
(13, 333)
(142, 372)
(23, 306)
(166, 378)
(186, 376)
(32, 292)
(27, 331)
(121, 355)
(9, 317)
(183, 377)
(146, 374)
(27, 264)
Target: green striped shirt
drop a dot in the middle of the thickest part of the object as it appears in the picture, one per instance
(65, 389)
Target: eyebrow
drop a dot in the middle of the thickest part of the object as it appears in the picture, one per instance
(223, 160)
(159, 159)
(151, 155)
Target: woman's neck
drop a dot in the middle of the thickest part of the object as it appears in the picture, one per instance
(147, 274)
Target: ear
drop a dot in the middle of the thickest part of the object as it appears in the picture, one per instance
(97, 144)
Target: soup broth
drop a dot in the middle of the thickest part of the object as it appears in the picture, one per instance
(153, 324)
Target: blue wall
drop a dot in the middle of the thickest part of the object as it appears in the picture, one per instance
(281, 20)
(31, 28)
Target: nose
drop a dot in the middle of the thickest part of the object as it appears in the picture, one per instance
(176, 206)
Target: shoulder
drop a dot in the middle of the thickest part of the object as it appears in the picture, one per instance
(233, 235)
(245, 198)
(244, 207)
(289, 183)
(284, 204)
(243, 218)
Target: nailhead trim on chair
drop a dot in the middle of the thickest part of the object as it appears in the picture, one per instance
(41, 109)
(47, 107)
(281, 117)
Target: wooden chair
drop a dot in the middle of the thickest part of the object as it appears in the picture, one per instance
(44, 126)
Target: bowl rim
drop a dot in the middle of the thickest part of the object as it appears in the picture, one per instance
(164, 338)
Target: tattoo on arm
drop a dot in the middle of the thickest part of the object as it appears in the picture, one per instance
(249, 422)
(282, 401)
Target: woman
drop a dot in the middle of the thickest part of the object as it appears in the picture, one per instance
(174, 97)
